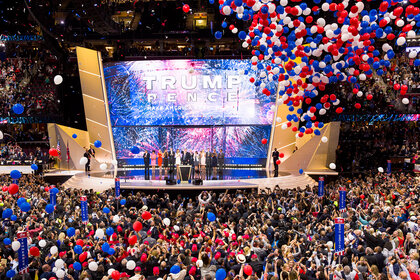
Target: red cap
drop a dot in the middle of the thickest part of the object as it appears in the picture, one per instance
(143, 257)
(193, 259)
(192, 271)
(124, 274)
(217, 256)
(119, 228)
(137, 269)
(146, 242)
(194, 247)
(254, 256)
(61, 254)
(85, 264)
(156, 270)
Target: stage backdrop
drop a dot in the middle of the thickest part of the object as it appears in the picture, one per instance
(188, 105)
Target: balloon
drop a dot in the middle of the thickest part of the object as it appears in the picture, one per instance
(34, 166)
(7, 213)
(7, 241)
(116, 219)
(109, 231)
(34, 251)
(71, 231)
(53, 152)
(405, 101)
(380, 169)
(15, 174)
(248, 269)
(123, 201)
(15, 245)
(42, 243)
(20, 201)
(74, 136)
(301, 171)
(58, 79)
(135, 150)
(97, 144)
(332, 165)
(25, 207)
(103, 166)
(49, 208)
(131, 265)
(220, 274)
(99, 233)
(146, 215)
(82, 257)
(111, 251)
(186, 8)
(137, 226)
(53, 250)
(78, 249)
(18, 109)
(115, 275)
(264, 141)
(175, 269)
(13, 217)
(106, 210)
(105, 247)
(324, 139)
(1, 135)
(77, 266)
(93, 266)
(60, 274)
(59, 263)
(83, 160)
(10, 273)
(211, 217)
(132, 240)
(218, 35)
(166, 222)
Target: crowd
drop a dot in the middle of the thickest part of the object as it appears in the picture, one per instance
(365, 147)
(284, 234)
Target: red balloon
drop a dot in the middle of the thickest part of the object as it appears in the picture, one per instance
(281, 155)
(13, 189)
(115, 275)
(137, 226)
(264, 141)
(5, 188)
(186, 8)
(357, 106)
(34, 251)
(362, 196)
(397, 86)
(404, 88)
(132, 240)
(53, 152)
(83, 257)
(146, 215)
(248, 269)
(369, 97)
(339, 110)
(278, 161)
(80, 242)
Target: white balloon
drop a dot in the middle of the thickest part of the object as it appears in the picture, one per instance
(176, 228)
(411, 34)
(83, 161)
(400, 23)
(380, 169)
(99, 233)
(235, 30)
(322, 111)
(1, 135)
(332, 165)
(58, 79)
(321, 21)
(324, 139)
(42, 243)
(283, 2)
(15, 245)
(166, 221)
(412, 54)
(278, 119)
(110, 271)
(93, 266)
(226, 10)
(131, 265)
(330, 244)
(245, 45)
(114, 162)
(400, 41)
(199, 263)
(60, 274)
(284, 126)
(405, 101)
(103, 166)
(359, 94)
(53, 250)
(116, 219)
(59, 263)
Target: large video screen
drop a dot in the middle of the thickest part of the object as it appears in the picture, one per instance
(185, 92)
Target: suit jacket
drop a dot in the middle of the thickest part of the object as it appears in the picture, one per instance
(146, 157)
(276, 155)
(208, 158)
(171, 156)
(221, 158)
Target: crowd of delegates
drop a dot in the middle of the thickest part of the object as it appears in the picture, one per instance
(364, 146)
(29, 82)
(13, 154)
(284, 234)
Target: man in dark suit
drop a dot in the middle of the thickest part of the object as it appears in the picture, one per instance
(208, 164)
(221, 161)
(146, 158)
(187, 158)
(171, 161)
(275, 156)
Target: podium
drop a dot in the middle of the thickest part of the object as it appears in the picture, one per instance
(185, 173)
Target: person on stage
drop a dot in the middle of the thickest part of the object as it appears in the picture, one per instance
(275, 156)
(160, 160)
(208, 164)
(153, 157)
(196, 164)
(171, 163)
(214, 163)
(187, 157)
(91, 151)
(202, 164)
(177, 164)
(146, 158)
(221, 161)
(87, 165)
(166, 162)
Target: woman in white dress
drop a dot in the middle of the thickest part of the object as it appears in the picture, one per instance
(202, 163)
(177, 164)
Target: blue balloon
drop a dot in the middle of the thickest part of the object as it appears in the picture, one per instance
(242, 35)
(34, 166)
(71, 231)
(224, 24)
(218, 35)
(417, 62)
(7, 241)
(211, 217)
(13, 217)
(106, 210)
(15, 174)
(49, 208)
(54, 191)
(77, 266)
(178, 182)
(105, 247)
(78, 249)
(10, 273)
(97, 144)
(211, 2)
(25, 207)
(220, 274)
(175, 269)
(135, 150)
(109, 231)
(74, 135)
(7, 213)
(301, 171)
(111, 251)
(123, 201)
(18, 109)
(20, 201)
